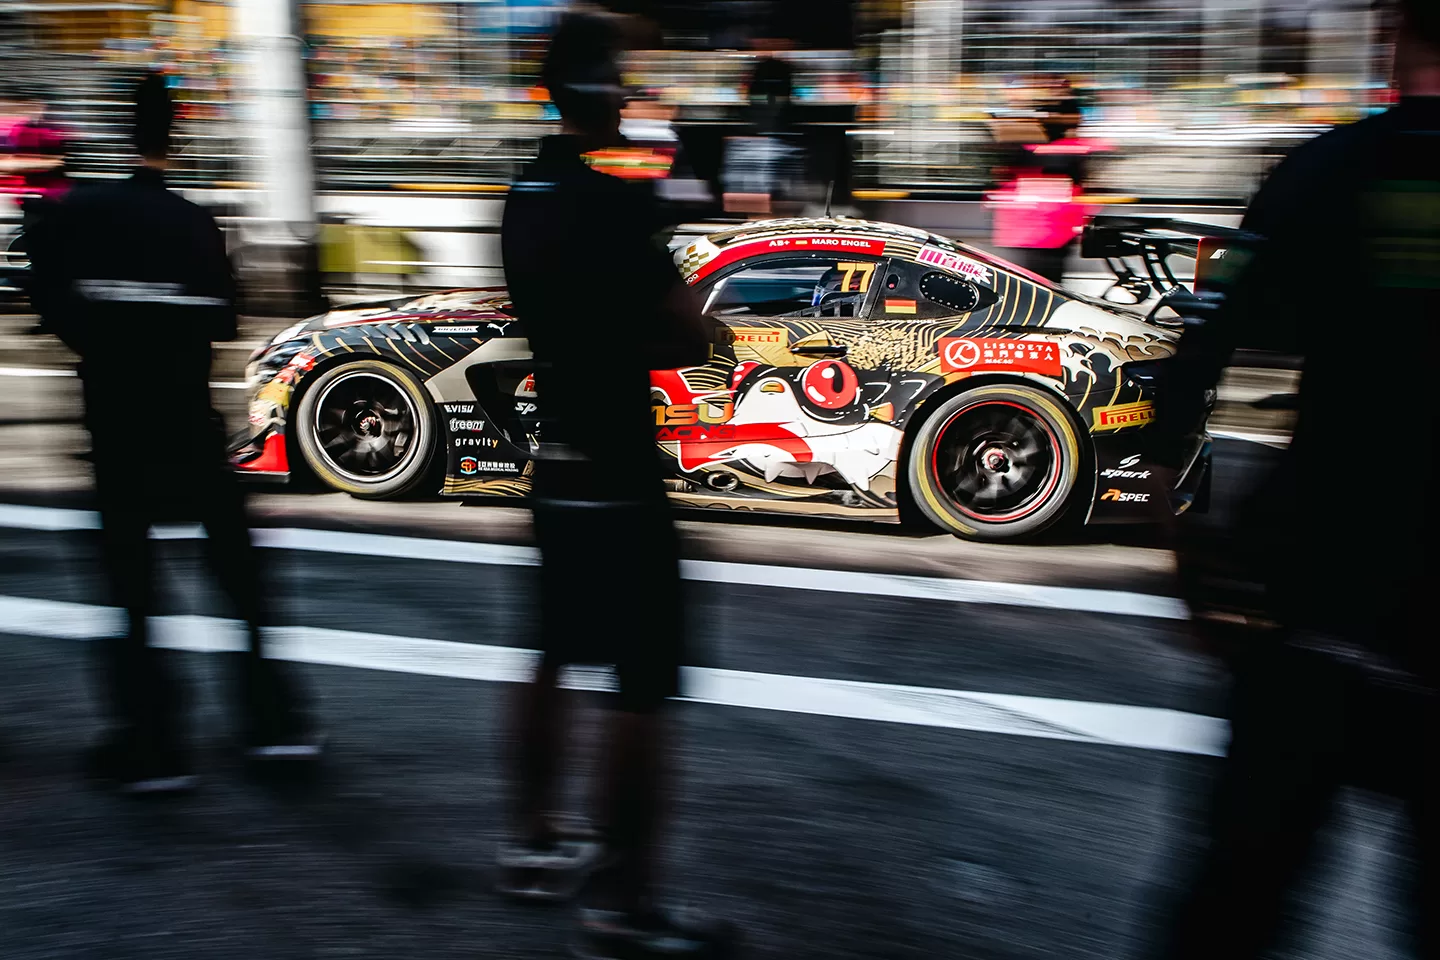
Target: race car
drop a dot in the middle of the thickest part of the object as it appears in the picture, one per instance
(864, 370)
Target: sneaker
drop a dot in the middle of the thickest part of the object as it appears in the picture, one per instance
(134, 769)
(624, 935)
(290, 742)
(548, 873)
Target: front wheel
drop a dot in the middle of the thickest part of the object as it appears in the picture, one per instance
(997, 462)
(367, 428)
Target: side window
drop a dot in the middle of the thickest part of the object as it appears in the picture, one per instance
(913, 290)
(809, 287)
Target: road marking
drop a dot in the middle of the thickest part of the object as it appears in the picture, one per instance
(39, 372)
(1268, 439)
(34, 372)
(906, 586)
(1112, 724)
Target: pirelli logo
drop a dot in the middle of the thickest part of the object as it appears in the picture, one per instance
(1124, 415)
(758, 335)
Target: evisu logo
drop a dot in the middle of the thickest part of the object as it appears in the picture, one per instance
(1121, 473)
(1123, 497)
(1124, 415)
(468, 426)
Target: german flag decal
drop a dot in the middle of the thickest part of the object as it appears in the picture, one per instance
(899, 306)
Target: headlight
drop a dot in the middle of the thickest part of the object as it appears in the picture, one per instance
(289, 333)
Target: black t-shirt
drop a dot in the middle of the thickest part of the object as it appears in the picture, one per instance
(587, 277)
(136, 280)
(1349, 278)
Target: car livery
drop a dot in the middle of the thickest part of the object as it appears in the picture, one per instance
(859, 370)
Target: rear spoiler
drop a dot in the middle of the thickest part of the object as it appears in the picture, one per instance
(1219, 252)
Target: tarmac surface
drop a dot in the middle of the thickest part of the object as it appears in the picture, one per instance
(895, 744)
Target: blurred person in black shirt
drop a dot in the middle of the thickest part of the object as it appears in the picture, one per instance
(580, 257)
(762, 173)
(123, 273)
(1333, 651)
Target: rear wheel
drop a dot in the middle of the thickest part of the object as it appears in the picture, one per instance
(999, 462)
(367, 428)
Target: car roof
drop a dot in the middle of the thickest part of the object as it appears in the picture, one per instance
(706, 254)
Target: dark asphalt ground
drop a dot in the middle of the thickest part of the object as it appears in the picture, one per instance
(822, 837)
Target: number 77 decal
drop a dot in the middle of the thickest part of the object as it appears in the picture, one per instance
(864, 269)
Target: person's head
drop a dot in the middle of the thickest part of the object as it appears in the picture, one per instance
(154, 113)
(582, 74)
(1417, 48)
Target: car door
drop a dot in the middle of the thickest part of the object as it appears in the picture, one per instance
(779, 393)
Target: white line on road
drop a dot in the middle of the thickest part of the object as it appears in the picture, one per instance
(1145, 728)
(34, 372)
(1268, 439)
(40, 372)
(1077, 599)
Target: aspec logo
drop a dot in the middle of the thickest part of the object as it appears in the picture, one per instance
(468, 426)
(1121, 496)
(1122, 473)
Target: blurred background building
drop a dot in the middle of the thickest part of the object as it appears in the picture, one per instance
(1193, 98)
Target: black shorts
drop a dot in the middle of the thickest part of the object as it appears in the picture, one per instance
(610, 593)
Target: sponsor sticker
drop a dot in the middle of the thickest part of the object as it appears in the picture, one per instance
(468, 426)
(946, 260)
(456, 331)
(760, 335)
(701, 262)
(488, 442)
(1122, 497)
(471, 466)
(459, 407)
(1123, 471)
(899, 306)
(974, 354)
(1124, 415)
(681, 414)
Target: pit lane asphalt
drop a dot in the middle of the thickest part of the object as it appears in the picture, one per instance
(823, 836)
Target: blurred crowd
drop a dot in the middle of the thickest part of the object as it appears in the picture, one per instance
(918, 89)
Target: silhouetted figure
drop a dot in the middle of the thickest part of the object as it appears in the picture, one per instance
(124, 273)
(763, 171)
(1333, 651)
(610, 589)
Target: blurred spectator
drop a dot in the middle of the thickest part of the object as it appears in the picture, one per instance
(647, 123)
(763, 171)
(1037, 213)
(610, 589)
(119, 268)
(34, 156)
(1332, 649)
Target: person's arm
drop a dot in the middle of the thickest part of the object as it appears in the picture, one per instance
(50, 284)
(684, 337)
(216, 282)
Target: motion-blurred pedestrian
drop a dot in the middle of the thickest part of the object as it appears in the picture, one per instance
(1037, 213)
(610, 589)
(122, 271)
(1333, 650)
(763, 171)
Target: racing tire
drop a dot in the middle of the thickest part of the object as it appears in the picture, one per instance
(999, 462)
(367, 428)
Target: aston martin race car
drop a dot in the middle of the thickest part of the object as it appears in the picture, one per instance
(865, 370)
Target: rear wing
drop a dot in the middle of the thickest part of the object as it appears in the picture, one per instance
(1220, 253)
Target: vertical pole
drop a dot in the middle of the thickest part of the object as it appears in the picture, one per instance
(275, 128)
